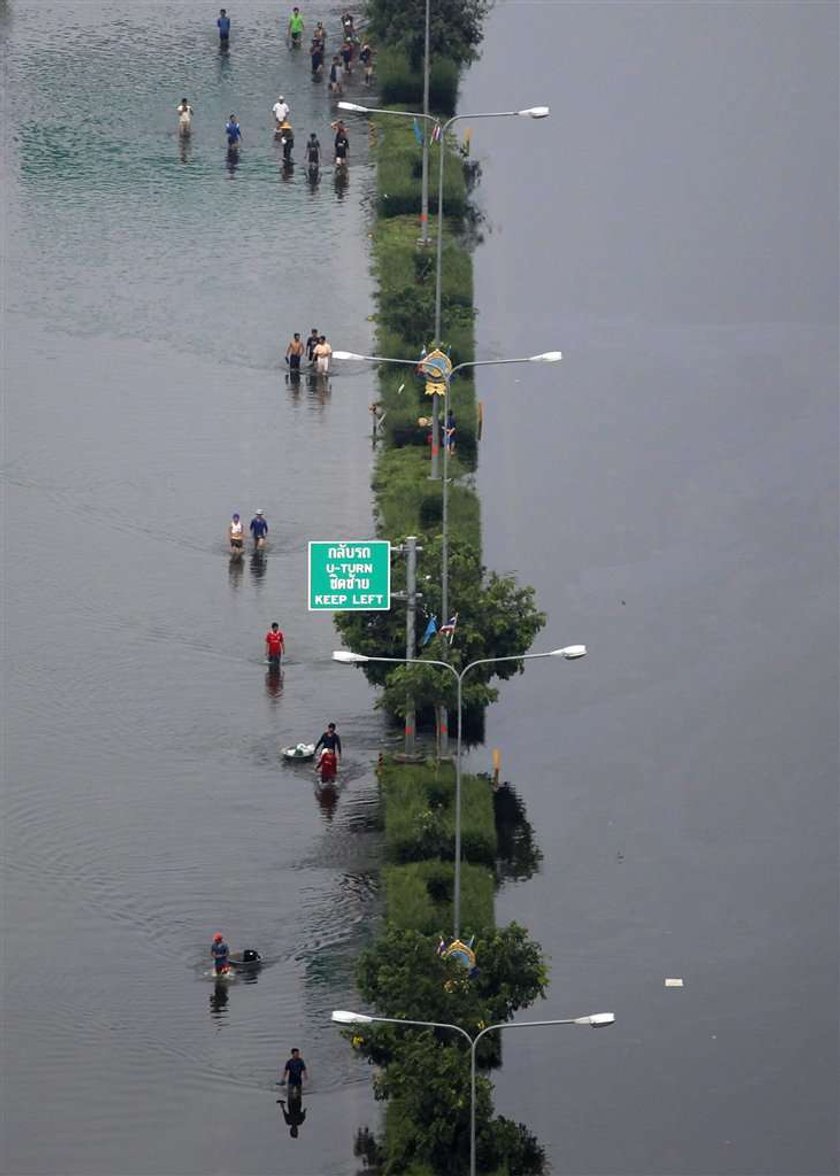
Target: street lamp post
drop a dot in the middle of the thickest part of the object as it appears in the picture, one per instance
(424, 181)
(528, 112)
(347, 657)
(593, 1021)
(446, 377)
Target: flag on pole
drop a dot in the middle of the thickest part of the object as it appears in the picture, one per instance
(436, 133)
(431, 629)
(418, 134)
(448, 630)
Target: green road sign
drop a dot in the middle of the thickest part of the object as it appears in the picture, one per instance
(349, 575)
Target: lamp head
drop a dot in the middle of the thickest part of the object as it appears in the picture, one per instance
(531, 112)
(348, 657)
(344, 1017)
(569, 652)
(354, 106)
(596, 1020)
(547, 357)
(346, 355)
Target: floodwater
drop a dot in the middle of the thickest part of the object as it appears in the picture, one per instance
(679, 244)
(671, 491)
(151, 290)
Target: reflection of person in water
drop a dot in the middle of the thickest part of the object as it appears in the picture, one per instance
(218, 1000)
(295, 1114)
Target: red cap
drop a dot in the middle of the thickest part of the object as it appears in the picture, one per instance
(217, 937)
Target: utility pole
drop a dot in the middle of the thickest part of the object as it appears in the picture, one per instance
(411, 596)
(410, 629)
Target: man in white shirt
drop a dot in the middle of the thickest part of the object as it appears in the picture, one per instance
(280, 110)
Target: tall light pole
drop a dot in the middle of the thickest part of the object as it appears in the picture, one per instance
(446, 377)
(424, 181)
(528, 112)
(593, 1021)
(347, 657)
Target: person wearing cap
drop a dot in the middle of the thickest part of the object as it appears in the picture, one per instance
(280, 110)
(259, 529)
(236, 535)
(220, 953)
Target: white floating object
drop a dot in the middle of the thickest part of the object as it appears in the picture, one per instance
(673, 982)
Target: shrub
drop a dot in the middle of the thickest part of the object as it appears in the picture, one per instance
(419, 896)
(400, 85)
(420, 817)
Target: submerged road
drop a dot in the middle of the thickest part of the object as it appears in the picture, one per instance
(671, 491)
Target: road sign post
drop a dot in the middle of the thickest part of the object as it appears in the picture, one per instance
(349, 575)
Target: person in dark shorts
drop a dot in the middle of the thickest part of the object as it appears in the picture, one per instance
(294, 353)
(342, 146)
(294, 1073)
(223, 25)
(234, 133)
(259, 529)
(236, 535)
(311, 344)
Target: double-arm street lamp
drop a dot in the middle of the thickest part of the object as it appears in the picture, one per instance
(593, 1021)
(347, 657)
(446, 378)
(528, 112)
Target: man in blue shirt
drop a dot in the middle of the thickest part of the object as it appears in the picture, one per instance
(294, 1073)
(223, 24)
(233, 131)
(259, 529)
(220, 952)
(330, 740)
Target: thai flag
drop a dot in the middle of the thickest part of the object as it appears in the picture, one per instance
(448, 629)
(436, 133)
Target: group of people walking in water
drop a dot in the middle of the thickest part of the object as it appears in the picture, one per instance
(341, 67)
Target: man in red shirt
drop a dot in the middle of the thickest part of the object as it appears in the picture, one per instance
(274, 646)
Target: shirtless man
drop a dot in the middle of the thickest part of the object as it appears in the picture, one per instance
(294, 353)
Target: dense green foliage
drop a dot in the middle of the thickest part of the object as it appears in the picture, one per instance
(402, 975)
(456, 27)
(401, 84)
(496, 618)
(420, 816)
(418, 896)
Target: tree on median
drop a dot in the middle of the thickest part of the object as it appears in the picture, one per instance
(455, 28)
